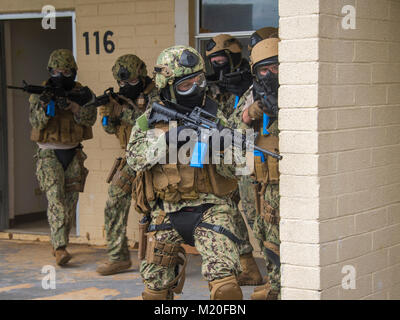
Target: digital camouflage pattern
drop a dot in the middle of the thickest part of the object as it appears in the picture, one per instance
(119, 201)
(226, 100)
(170, 68)
(116, 217)
(220, 256)
(61, 204)
(264, 231)
(133, 64)
(62, 59)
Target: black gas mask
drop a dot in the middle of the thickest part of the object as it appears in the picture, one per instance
(266, 84)
(64, 80)
(131, 91)
(190, 90)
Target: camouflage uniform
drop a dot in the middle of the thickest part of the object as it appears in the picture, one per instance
(60, 185)
(145, 150)
(265, 232)
(120, 191)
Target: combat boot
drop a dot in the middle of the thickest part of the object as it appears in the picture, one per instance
(265, 292)
(149, 294)
(113, 267)
(62, 256)
(225, 289)
(250, 275)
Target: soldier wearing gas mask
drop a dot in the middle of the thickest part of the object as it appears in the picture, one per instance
(231, 72)
(258, 109)
(136, 89)
(59, 125)
(183, 203)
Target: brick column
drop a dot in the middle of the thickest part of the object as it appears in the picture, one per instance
(340, 123)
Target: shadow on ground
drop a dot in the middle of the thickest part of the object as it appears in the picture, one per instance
(21, 264)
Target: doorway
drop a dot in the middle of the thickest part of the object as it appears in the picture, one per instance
(26, 47)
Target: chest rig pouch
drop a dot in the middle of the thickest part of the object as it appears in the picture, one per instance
(186, 220)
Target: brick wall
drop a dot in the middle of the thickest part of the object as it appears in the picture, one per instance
(340, 135)
(143, 28)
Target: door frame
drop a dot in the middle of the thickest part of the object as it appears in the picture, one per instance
(3, 137)
(4, 180)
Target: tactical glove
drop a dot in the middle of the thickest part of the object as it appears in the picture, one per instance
(255, 111)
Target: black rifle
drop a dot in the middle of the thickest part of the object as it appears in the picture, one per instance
(79, 95)
(105, 98)
(233, 77)
(199, 119)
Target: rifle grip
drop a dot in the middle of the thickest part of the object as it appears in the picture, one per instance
(105, 121)
(199, 154)
(51, 109)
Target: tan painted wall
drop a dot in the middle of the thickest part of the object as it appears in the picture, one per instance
(140, 27)
(340, 122)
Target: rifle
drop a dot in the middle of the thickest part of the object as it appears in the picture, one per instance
(104, 99)
(199, 119)
(233, 77)
(80, 95)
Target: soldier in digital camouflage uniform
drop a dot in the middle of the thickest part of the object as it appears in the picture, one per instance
(60, 158)
(224, 54)
(262, 187)
(183, 203)
(136, 89)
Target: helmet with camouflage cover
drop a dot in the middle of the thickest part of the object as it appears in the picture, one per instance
(262, 34)
(180, 76)
(62, 59)
(176, 62)
(129, 67)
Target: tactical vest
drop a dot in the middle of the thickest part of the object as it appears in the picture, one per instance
(175, 182)
(63, 129)
(267, 171)
(123, 132)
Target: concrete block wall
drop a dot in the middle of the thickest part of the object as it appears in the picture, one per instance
(141, 27)
(340, 125)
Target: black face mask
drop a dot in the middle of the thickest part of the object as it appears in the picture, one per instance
(61, 81)
(266, 90)
(131, 92)
(193, 100)
(270, 82)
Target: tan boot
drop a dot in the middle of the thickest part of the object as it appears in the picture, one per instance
(62, 256)
(265, 292)
(113, 267)
(250, 275)
(149, 294)
(225, 289)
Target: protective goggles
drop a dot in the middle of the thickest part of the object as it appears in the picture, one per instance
(188, 85)
(57, 73)
(132, 82)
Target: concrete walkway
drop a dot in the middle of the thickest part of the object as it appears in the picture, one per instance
(21, 264)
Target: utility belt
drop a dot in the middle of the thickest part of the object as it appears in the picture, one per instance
(119, 177)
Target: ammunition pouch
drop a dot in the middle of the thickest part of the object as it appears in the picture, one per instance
(143, 227)
(263, 208)
(123, 134)
(269, 169)
(77, 184)
(62, 128)
(121, 178)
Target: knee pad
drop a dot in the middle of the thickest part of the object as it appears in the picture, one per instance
(149, 294)
(225, 289)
